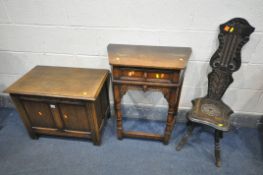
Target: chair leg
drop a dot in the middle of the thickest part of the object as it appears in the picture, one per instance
(188, 133)
(218, 135)
(221, 135)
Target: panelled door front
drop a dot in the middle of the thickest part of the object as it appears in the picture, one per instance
(75, 117)
(39, 114)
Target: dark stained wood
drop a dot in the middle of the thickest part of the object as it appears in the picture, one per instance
(74, 117)
(65, 114)
(23, 116)
(61, 82)
(157, 84)
(95, 115)
(57, 118)
(55, 132)
(117, 106)
(172, 99)
(148, 56)
(148, 67)
(39, 114)
(218, 135)
(187, 134)
(143, 135)
(210, 110)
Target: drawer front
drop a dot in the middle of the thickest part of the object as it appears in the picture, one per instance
(158, 76)
(149, 75)
(130, 73)
(39, 114)
(75, 117)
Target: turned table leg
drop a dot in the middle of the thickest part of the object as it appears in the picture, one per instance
(172, 100)
(117, 106)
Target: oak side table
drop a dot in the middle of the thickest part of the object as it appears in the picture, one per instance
(148, 67)
(71, 102)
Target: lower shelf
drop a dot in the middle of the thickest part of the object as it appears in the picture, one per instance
(143, 135)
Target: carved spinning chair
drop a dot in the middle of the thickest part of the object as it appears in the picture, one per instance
(211, 110)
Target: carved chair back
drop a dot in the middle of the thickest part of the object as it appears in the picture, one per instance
(227, 58)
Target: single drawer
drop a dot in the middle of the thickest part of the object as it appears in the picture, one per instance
(132, 74)
(159, 76)
(149, 75)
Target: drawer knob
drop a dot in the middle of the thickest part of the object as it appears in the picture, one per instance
(65, 116)
(40, 113)
(131, 73)
(53, 106)
(159, 76)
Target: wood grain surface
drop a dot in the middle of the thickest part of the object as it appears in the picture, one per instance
(75, 83)
(148, 56)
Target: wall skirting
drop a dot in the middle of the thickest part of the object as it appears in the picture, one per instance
(159, 113)
(5, 101)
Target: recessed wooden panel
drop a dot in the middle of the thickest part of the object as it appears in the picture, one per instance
(101, 105)
(104, 100)
(39, 114)
(74, 117)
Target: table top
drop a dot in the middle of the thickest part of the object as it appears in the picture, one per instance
(148, 56)
(62, 82)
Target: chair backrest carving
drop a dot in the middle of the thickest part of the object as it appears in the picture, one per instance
(227, 58)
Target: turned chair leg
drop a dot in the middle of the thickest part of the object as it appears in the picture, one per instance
(221, 134)
(188, 133)
(218, 136)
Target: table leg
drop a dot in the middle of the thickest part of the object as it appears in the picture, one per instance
(172, 101)
(117, 106)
